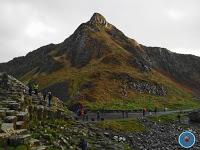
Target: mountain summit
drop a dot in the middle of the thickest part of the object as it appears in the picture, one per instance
(100, 66)
(98, 18)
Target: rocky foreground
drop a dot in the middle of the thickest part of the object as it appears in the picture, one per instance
(157, 136)
(163, 136)
(26, 121)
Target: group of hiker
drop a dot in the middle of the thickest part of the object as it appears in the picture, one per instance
(33, 88)
(144, 111)
(82, 113)
(125, 113)
(49, 96)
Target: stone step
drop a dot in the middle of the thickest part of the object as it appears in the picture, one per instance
(19, 139)
(35, 102)
(10, 119)
(22, 116)
(40, 148)
(11, 112)
(10, 132)
(4, 136)
(8, 102)
(34, 142)
(21, 131)
(21, 125)
(36, 97)
(4, 108)
(14, 106)
(7, 127)
(42, 102)
(2, 114)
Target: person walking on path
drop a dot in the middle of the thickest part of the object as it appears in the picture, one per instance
(165, 109)
(49, 98)
(179, 117)
(85, 115)
(155, 110)
(98, 115)
(44, 95)
(84, 144)
(144, 110)
(143, 113)
(30, 89)
(82, 114)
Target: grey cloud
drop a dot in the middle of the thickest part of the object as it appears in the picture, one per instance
(173, 24)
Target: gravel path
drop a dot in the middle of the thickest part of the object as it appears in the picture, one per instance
(119, 115)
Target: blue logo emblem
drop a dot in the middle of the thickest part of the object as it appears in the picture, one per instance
(186, 139)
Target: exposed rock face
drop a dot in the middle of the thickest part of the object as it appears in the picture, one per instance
(59, 90)
(195, 116)
(144, 67)
(36, 61)
(141, 85)
(98, 18)
(183, 68)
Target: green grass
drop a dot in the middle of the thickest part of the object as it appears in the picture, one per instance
(19, 147)
(127, 147)
(166, 118)
(122, 125)
(144, 101)
(54, 132)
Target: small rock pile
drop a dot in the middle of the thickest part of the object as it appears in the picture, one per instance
(140, 85)
(161, 136)
(195, 116)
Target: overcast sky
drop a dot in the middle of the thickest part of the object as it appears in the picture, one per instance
(26, 25)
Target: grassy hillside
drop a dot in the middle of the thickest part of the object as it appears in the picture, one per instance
(106, 93)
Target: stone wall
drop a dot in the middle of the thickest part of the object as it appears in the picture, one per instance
(140, 85)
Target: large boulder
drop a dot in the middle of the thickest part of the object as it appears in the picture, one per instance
(195, 116)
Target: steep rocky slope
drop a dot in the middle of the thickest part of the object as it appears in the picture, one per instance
(183, 68)
(101, 67)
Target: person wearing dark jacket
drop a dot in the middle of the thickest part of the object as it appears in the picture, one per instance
(84, 144)
(30, 89)
(44, 96)
(50, 96)
(179, 117)
(155, 110)
(98, 115)
(144, 110)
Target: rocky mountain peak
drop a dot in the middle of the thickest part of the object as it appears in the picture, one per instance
(98, 19)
